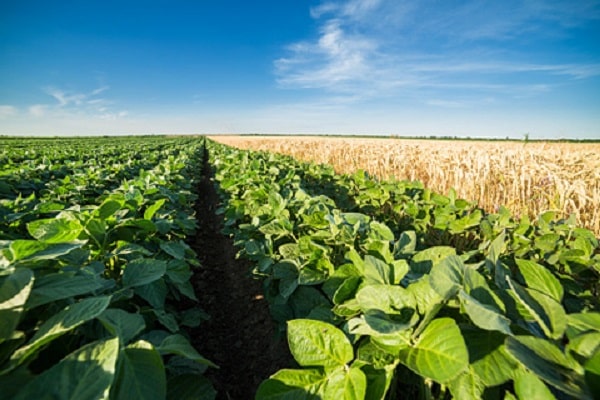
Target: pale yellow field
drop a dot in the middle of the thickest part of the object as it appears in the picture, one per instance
(525, 177)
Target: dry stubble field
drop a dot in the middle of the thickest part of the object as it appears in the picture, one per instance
(525, 177)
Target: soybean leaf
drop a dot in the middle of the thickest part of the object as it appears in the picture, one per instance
(64, 321)
(152, 209)
(122, 324)
(174, 249)
(177, 344)
(168, 320)
(585, 344)
(377, 271)
(290, 384)
(446, 277)
(440, 353)
(155, 293)
(33, 250)
(424, 260)
(388, 298)
(85, 374)
(62, 285)
(548, 313)
(541, 279)
(317, 343)
(190, 387)
(345, 384)
(140, 373)
(387, 308)
(55, 230)
(592, 372)
(582, 322)
(467, 385)
(529, 386)
(107, 208)
(484, 316)
(14, 292)
(488, 356)
(142, 271)
(406, 244)
(549, 363)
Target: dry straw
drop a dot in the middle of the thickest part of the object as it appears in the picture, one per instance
(525, 177)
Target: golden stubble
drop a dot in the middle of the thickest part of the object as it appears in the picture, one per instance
(527, 178)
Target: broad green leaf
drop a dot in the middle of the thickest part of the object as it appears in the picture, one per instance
(142, 271)
(488, 356)
(347, 290)
(140, 373)
(305, 299)
(529, 387)
(387, 308)
(484, 316)
(14, 292)
(446, 277)
(155, 293)
(107, 208)
(122, 324)
(178, 271)
(174, 249)
(316, 343)
(377, 271)
(33, 250)
(541, 279)
(549, 363)
(292, 384)
(380, 231)
(345, 384)
(55, 230)
(378, 381)
(585, 344)
(152, 209)
(390, 343)
(64, 321)
(96, 230)
(426, 298)
(592, 373)
(440, 352)
(406, 244)
(177, 344)
(62, 285)
(424, 260)
(582, 322)
(167, 320)
(13, 382)
(467, 385)
(85, 374)
(387, 298)
(190, 387)
(548, 313)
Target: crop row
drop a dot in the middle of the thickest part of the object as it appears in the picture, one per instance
(389, 290)
(95, 292)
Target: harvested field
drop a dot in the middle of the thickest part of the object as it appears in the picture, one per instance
(528, 178)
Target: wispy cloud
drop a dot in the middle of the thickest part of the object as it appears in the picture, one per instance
(69, 103)
(38, 110)
(373, 48)
(7, 111)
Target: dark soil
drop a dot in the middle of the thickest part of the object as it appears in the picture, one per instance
(240, 337)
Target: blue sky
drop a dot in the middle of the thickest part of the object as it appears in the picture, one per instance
(459, 68)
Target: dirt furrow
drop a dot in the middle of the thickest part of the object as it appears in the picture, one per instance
(240, 336)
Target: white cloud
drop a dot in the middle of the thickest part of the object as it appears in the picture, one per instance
(38, 110)
(7, 111)
(378, 48)
(77, 104)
